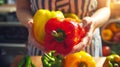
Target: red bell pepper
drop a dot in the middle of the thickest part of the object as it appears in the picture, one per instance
(62, 35)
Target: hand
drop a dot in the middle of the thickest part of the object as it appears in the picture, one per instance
(88, 24)
(31, 36)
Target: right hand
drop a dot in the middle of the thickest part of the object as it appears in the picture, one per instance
(88, 24)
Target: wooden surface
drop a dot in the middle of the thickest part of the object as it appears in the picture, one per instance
(37, 61)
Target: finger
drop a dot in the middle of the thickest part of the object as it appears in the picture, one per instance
(30, 28)
(88, 38)
(86, 21)
(39, 46)
(78, 47)
(30, 24)
(87, 28)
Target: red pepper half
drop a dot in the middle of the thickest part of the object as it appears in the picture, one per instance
(62, 35)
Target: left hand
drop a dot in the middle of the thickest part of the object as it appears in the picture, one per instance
(88, 24)
(31, 36)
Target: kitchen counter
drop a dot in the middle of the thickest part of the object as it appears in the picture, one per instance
(37, 61)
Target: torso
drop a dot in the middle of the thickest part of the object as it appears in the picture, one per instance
(80, 7)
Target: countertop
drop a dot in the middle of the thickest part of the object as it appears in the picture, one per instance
(37, 61)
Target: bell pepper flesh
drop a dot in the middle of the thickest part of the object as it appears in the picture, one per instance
(73, 35)
(40, 18)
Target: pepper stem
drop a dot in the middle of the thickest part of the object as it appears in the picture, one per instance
(50, 58)
(55, 34)
(58, 34)
(82, 64)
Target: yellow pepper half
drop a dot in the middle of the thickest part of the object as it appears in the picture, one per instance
(40, 18)
(72, 15)
(79, 59)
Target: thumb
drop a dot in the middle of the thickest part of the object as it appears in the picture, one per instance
(30, 24)
(86, 21)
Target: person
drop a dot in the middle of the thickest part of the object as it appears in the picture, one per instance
(94, 14)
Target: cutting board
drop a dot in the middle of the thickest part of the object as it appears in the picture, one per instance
(37, 61)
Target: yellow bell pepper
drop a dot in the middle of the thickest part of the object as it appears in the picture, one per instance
(72, 15)
(40, 18)
(107, 34)
(115, 27)
(79, 59)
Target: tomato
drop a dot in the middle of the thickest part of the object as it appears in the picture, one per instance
(106, 50)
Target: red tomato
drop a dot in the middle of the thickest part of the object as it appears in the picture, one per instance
(106, 50)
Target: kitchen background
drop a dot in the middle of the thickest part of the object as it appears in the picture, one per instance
(13, 36)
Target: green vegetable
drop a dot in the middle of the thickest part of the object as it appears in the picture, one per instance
(116, 65)
(32, 65)
(110, 58)
(51, 60)
(110, 64)
(26, 62)
(21, 62)
(113, 60)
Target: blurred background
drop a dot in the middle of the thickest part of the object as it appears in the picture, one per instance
(110, 32)
(13, 36)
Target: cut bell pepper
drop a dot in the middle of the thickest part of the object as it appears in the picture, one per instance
(40, 18)
(62, 35)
